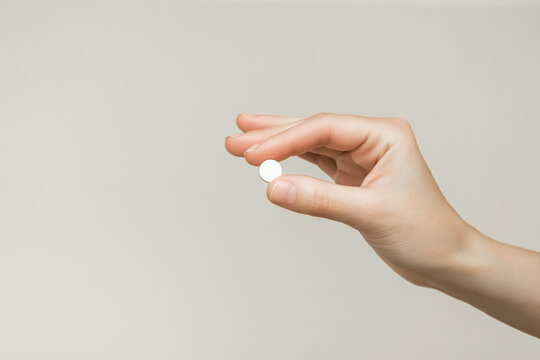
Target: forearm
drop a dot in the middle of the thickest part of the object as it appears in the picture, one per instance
(500, 279)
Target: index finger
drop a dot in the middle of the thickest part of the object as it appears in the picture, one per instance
(248, 122)
(333, 131)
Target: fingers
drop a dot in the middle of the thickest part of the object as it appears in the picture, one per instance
(238, 144)
(337, 132)
(248, 122)
(307, 195)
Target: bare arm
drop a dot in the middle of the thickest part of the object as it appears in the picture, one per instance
(500, 279)
(385, 190)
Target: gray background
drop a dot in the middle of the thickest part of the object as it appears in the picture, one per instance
(128, 232)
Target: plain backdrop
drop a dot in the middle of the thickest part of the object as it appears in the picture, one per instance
(128, 232)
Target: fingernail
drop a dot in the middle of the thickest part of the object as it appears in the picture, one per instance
(251, 148)
(236, 135)
(283, 192)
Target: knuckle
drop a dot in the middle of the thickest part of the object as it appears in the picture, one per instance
(401, 124)
(322, 115)
(402, 128)
(320, 202)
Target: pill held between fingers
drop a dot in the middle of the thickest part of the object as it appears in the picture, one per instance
(269, 170)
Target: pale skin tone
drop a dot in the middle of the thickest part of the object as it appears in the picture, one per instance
(384, 189)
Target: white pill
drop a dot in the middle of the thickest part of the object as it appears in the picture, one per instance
(269, 170)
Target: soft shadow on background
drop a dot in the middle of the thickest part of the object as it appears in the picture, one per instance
(127, 231)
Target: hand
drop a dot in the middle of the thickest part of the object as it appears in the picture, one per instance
(383, 187)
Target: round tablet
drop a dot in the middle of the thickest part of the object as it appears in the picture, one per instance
(269, 170)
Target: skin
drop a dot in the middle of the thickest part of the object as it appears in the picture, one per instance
(384, 189)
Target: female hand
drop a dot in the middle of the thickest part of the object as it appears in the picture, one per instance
(383, 187)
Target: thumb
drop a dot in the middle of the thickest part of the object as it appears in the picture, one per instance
(307, 195)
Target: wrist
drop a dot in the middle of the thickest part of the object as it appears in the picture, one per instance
(461, 266)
